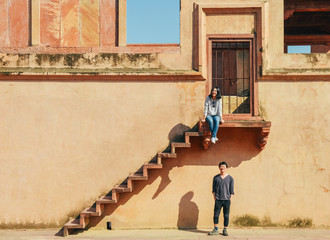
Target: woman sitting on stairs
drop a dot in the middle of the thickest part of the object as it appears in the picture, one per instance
(213, 112)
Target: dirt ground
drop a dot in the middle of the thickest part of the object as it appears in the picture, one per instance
(201, 234)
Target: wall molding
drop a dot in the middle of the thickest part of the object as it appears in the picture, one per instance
(104, 78)
(294, 78)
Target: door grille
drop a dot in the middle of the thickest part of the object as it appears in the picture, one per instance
(231, 73)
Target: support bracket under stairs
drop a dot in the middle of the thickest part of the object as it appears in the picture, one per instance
(263, 128)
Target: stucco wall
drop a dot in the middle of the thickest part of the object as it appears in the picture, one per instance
(274, 60)
(288, 179)
(230, 24)
(64, 144)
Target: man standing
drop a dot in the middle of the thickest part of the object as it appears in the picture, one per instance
(223, 191)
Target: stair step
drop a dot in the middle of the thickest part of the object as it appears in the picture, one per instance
(180, 144)
(153, 165)
(105, 200)
(194, 134)
(74, 223)
(137, 176)
(126, 186)
(90, 212)
(122, 188)
(167, 155)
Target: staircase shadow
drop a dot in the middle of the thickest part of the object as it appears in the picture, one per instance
(230, 139)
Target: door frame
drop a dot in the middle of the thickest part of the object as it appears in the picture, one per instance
(210, 38)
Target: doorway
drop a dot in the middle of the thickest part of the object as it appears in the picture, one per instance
(232, 71)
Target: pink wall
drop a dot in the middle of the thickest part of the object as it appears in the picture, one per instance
(67, 23)
(50, 23)
(14, 23)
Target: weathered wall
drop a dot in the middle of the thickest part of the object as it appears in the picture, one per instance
(289, 179)
(58, 23)
(274, 60)
(70, 31)
(230, 24)
(63, 144)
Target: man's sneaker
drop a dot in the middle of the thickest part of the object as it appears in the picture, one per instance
(213, 140)
(216, 139)
(214, 232)
(224, 232)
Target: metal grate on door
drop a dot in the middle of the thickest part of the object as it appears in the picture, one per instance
(231, 73)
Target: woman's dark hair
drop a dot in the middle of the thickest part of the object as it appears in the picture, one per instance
(223, 163)
(218, 93)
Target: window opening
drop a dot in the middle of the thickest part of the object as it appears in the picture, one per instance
(307, 23)
(153, 21)
(231, 73)
(299, 49)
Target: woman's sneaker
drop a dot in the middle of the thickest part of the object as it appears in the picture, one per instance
(213, 140)
(214, 232)
(224, 232)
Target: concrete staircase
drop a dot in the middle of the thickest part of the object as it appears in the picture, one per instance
(82, 221)
(97, 209)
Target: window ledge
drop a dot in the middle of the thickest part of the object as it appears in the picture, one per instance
(104, 76)
(129, 48)
(262, 126)
(152, 48)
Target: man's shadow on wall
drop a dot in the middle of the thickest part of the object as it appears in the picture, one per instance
(235, 146)
(188, 212)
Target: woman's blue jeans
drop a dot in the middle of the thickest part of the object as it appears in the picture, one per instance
(214, 122)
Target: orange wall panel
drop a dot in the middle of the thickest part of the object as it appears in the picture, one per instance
(50, 22)
(70, 23)
(89, 10)
(18, 23)
(4, 23)
(107, 22)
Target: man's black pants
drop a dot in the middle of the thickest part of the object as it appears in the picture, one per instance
(217, 209)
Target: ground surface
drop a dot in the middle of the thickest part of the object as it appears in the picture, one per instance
(246, 233)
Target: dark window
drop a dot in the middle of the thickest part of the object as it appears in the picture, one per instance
(231, 73)
(307, 23)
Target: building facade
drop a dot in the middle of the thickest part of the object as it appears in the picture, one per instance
(81, 110)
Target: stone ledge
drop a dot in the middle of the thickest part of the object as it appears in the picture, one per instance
(302, 77)
(262, 126)
(105, 77)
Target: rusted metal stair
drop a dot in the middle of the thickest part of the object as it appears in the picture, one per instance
(82, 221)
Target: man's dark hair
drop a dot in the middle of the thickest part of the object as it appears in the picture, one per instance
(223, 163)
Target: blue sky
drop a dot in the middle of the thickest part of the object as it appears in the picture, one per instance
(153, 21)
(299, 49)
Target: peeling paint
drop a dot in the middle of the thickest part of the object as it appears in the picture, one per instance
(47, 59)
(90, 60)
(72, 60)
(325, 189)
(190, 92)
(262, 111)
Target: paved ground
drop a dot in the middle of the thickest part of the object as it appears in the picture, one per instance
(246, 233)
